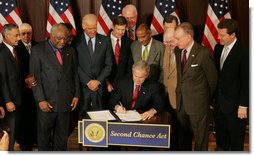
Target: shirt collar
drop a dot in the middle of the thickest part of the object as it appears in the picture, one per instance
(53, 47)
(9, 46)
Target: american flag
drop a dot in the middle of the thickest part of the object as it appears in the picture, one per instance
(108, 11)
(60, 11)
(216, 12)
(9, 13)
(162, 8)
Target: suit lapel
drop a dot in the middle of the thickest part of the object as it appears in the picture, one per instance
(191, 57)
(142, 93)
(98, 44)
(152, 53)
(52, 57)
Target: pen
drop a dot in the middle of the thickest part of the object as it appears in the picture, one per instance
(122, 106)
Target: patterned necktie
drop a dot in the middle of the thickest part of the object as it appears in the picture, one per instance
(135, 96)
(117, 51)
(59, 57)
(223, 57)
(131, 35)
(145, 54)
(28, 47)
(184, 59)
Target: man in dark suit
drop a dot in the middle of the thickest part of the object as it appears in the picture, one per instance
(95, 64)
(131, 15)
(122, 58)
(169, 21)
(149, 50)
(54, 65)
(26, 124)
(196, 82)
(138, 93)
(10, 76)
(232, 94)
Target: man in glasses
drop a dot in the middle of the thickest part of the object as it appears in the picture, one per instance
(26, 127)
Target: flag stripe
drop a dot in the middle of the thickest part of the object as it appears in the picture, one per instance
(60, 13)
(108, 11)
(162, 8)
(217, 11)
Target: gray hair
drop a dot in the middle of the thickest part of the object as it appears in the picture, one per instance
(7, 28)
(141, 65)
(56, 26)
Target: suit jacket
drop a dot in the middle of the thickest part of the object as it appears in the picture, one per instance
(96, 68)
(24, 56)
(196, 85)
(124, 67)
(149, 96)
(170, 75)
(56, 83)
(155, 58)
(233, 85)
(10, 76)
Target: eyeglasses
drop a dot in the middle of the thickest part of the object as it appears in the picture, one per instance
(26, 33)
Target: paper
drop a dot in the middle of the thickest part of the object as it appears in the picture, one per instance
(130, 115)
(104, 115)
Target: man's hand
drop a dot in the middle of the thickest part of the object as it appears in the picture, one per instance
(10, 106)
(148, 114)
(31, 81)
(242, 112)
(45, 106)
(109, 87)
(93, 85)
(2, 113)
(74, 103)
(120, 109)
(4, 142)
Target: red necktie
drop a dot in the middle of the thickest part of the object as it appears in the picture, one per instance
(117, 51)
(184, 60)
(131, 35)
(135, 96)
(59, 57)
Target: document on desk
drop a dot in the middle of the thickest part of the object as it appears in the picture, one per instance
(130, 115)
(104, 115)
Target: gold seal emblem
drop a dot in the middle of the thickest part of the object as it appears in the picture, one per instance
(95, 132)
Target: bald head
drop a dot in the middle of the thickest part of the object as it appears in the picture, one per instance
(131, 15)
(169, 39)
(89, 25)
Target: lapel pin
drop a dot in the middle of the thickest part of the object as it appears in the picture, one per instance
(144, 92)
(99, 42)
(193, 55)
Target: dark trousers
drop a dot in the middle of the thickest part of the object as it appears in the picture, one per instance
(10, 119)
(230, 131)
(189, 126)
(53, 131)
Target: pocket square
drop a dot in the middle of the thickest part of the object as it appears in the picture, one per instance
(194, 65)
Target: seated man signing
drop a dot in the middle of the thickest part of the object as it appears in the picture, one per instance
(138, 92)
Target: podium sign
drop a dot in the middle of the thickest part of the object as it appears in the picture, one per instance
(103, 133)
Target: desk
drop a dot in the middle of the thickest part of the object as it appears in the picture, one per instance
(163, 118)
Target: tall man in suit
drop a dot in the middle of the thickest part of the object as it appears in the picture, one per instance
(196, 82)
(122, 58)
(54, 65)
(138, 93)
(232, 94)
(149, 50)
(10, 76)
(27, 117)
(95, 64)
(131, 15)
